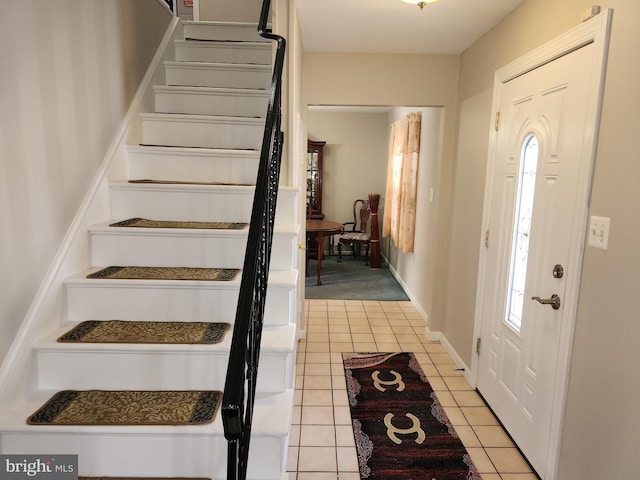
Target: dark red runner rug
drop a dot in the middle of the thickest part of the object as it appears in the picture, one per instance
(400, 428)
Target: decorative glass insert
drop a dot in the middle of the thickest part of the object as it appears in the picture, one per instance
(522, 229)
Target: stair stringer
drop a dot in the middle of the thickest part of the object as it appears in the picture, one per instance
(18, 376)
(48, 305)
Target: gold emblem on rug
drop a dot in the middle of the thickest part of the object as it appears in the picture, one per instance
(393, 431)
(396, 381)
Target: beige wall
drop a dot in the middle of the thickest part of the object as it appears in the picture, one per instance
(69, 71)
(230, 11)
(600, 430)
(398, 80)
(354, 159)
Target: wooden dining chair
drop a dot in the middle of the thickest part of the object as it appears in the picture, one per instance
(356, 233)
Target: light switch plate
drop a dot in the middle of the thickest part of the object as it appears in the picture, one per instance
(599, 232)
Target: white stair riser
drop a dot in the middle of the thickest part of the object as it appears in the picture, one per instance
(223, 52)
(158, 303)
(193, 165)
(60, 369)
(232, 32)
(217, 75)
(136, 455)
(201, 131)
(117, 247)
(209, 101)
(212, 204)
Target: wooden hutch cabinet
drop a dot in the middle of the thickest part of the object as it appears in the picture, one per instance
(314, 178)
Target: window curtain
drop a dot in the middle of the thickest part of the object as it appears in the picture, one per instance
(402, 181)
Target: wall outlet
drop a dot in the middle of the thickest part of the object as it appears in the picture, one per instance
(599, 232)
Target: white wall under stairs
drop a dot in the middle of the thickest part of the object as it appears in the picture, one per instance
(203, 134)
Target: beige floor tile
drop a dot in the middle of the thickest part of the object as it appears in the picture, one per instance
(324, 328)
(402, 330)
(336, 328)
(340, 337)
(479, 416)
(438, 384)
(317, 347)
(317, 436)
(423, 359)
(342, 415)
(318, 358)
(439, 358)
(292, 459)
(297, 397)
(382, 329)
(356, 315)
(298, 383)
(365, 347)
(492, 436)
(297, 415)
(336, 358)
(317, 337)
(348, 475)
(317, 459)
(294, 436)
(385, 338)
(446, 399)
(508, 460)
(341, 347)
(449, 370)
(337, 369)
(518, 476)
(455, 415)
(357, 329)
(388, 347)
(317, 369)
(376, 314)
(381, 322)
(467, 436)
(481, 460)
(318, 382)
(468, 398)
(317, 398)
(357, 322)
(402, 338)
(340, 398)
(338, 321)
(491, 476)
(347, 459)
(338, 382)
(435, 347)
(344, 436)
(412, 347)
(317, 476)
(317, 415)
(457, 383)
(430, 371)
(362, 338)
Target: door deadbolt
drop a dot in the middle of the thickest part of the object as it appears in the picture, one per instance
(558, 271)
(554, 301)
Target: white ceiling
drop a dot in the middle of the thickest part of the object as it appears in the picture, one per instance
(393, 26)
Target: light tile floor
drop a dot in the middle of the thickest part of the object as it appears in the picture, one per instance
(322, 445)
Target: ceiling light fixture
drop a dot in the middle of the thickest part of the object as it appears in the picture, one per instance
(420, 3)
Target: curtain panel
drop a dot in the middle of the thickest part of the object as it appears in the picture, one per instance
(402, 181)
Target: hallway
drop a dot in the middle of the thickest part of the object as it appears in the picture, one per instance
(322, 445)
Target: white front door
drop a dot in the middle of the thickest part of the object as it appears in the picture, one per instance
(535, 218)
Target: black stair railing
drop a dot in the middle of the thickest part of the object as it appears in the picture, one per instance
(240, 386)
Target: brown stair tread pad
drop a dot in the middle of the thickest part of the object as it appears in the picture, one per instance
(120, 331)
(180, 182)
(146, 223)
(128, 407)
(165, 273)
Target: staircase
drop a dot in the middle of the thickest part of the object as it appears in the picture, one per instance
(197, 158)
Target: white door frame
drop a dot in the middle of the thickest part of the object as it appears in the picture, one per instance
(594, 31)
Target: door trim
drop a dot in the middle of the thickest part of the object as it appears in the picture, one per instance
(595, 31)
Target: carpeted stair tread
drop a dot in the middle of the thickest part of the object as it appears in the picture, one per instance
(128, 407)
(121, 331)
(165, 273)
(146, 223)
(184, 182)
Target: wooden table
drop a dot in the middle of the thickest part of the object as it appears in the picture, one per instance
(319, 229)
